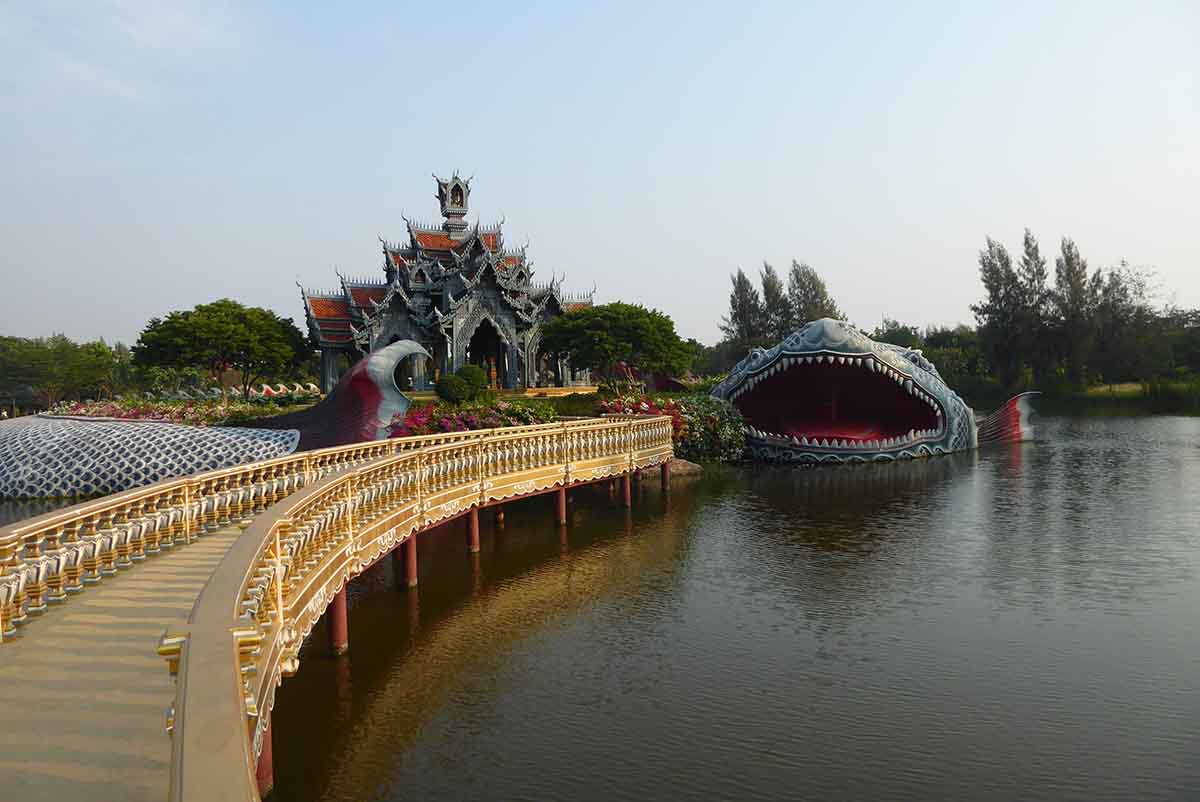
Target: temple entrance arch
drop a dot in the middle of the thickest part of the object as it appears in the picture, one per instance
(487, 349)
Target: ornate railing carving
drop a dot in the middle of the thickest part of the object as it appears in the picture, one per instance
(46, 559)
(245, 631)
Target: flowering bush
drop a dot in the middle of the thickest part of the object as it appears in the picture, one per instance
(705, 429)
(443, 417)
(193, 413)
(645, 405)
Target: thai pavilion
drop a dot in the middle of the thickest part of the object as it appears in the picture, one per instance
(455, 289)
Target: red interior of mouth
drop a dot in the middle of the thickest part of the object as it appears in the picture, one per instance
(849, 402)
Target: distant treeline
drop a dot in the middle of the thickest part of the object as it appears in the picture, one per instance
(222, 344)
(1060, 333)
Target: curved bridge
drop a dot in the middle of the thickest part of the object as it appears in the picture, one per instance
(312, 523)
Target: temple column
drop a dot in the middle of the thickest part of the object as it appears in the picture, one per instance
(418, 372)
(510, 375)
(329, 369)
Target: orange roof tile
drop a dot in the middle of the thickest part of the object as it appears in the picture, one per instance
(364, 295)
(434, 241)
(329, 307)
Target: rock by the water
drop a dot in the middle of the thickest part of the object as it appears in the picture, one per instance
(682, 467)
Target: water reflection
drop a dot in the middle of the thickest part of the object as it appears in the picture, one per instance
(1012, 624)
(459, 623)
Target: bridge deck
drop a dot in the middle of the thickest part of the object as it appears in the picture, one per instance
(83, 695)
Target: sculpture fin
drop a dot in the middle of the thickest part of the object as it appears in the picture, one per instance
(1010, 423)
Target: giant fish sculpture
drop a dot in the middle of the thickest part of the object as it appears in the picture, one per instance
(829, 394)
(45, 456)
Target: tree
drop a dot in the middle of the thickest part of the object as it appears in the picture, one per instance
(1075, 299)
(777, 309)
(1132, 339)
(955, 352)
(896, 333)
(717, 359)
(999, 314)
(55, 368)
(1036, 343)
(608, 337)
(219, 337)
(808, 296)
(745, 325)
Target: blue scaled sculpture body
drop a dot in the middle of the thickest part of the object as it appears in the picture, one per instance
(830, 394)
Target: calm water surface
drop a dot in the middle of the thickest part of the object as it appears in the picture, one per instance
(1017, 624)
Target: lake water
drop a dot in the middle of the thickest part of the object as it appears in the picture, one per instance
(1020, 623)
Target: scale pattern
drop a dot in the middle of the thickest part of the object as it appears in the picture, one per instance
(43, 456)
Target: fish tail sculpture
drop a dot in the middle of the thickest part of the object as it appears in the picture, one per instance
(1010, 423)
(830, 394)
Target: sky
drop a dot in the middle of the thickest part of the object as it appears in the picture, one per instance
(159, 154)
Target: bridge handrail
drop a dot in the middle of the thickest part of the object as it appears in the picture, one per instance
(244, 633)
(46, 558)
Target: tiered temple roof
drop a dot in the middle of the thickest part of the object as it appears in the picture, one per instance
(432, 275)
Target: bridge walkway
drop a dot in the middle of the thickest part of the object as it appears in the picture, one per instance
(83, 694)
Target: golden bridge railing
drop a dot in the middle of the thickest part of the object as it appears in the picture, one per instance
(246, 628)
(46, 559)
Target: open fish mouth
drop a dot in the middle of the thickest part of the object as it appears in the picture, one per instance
(838, 402)
(829, 393)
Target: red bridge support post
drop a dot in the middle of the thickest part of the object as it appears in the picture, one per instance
(264, 772)
(666, 476)
(499, 516)
(562, 506)
(473, 530)
(627, 489)
(410, 561)
(339, 630)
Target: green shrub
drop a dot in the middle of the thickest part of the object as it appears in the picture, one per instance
(476, 379)
(713, 430)
(453, 389)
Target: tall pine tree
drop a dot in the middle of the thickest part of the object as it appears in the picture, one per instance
(1075, 299)
(745, 324)
(1037, 344)
(778, 310)
(999, 314)
(807, 295)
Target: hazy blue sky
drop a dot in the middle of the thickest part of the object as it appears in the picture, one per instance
(154, 155)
